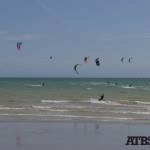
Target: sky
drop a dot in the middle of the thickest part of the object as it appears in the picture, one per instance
(69, 30)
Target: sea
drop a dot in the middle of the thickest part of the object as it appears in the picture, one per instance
(75, 99)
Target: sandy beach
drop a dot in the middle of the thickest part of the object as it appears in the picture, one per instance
(70, 136)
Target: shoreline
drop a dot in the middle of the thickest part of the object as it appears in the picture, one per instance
(63, 120)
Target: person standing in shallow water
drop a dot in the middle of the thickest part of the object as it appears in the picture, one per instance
(43, 84)
(101, 97)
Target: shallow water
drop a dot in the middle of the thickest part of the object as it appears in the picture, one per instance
(75, 99)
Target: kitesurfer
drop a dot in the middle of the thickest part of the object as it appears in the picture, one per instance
(43, 84)
(101, 97)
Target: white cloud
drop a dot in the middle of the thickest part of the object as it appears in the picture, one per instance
(30, 37)
(4, 35)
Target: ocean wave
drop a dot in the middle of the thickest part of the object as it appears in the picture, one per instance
(68, 116)
(143, 103)
(104, 102)
(41, 107)
(138, 112)
(49, 108)
(77, 107)
(98, 83)
(55, 101)
(127, 112)
(12, 108)
(49, 116)
(34, 85)
(89, 88)
(128, 87)
(64, 101)
(146, 88)
(143, 87)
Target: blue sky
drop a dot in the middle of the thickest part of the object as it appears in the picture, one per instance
(69, 30)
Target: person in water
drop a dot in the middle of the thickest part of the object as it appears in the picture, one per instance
(43, 84)
(101, 97)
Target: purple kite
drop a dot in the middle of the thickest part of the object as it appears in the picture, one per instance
(19, 45)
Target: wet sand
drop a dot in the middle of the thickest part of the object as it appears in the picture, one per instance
(70, 136)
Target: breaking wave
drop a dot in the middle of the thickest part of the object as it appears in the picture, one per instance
(104, 102)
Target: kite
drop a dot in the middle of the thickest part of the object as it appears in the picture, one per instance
(19, 45)
(129, 59)
(75, 68)
(50, 57)
(85, 59)
(97, 61)
(122, 59)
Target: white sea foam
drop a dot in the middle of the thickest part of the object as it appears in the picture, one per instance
(146, 88)
(98, 83)
(64, 101)
(12, 108)
(77, 107)
(41, 107)
(128, 87)
(89, 88)
(104, 102)
(142, 103)
(49, 108)
(129, 112)
(34, 85)
(141, 113)
(55, 101)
